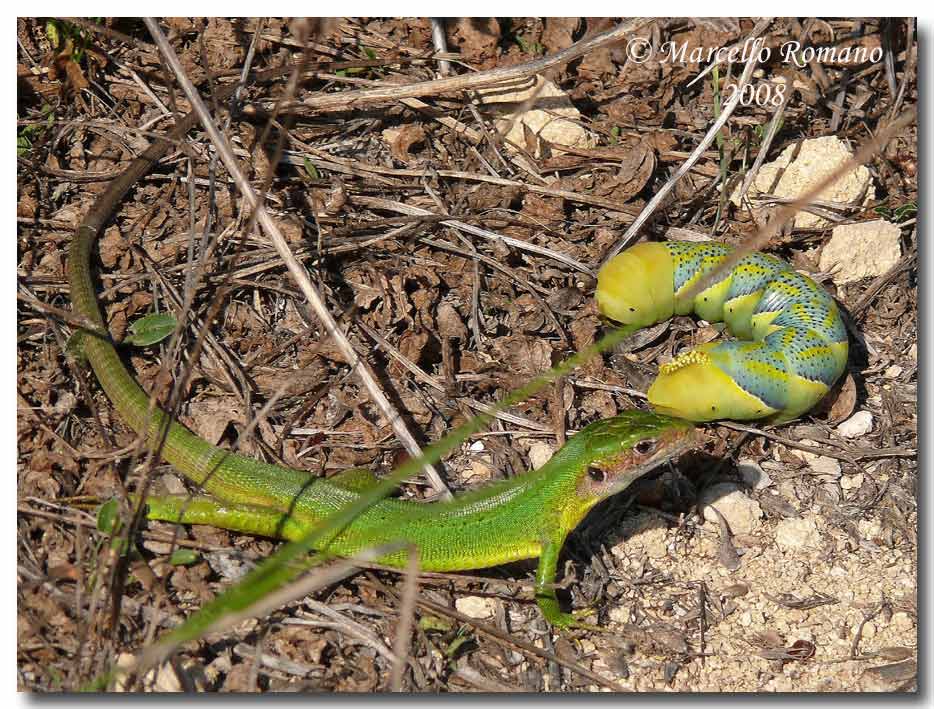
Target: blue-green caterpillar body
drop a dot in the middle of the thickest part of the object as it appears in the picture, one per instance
(793, 344)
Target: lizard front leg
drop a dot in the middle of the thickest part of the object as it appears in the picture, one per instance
(545, 594)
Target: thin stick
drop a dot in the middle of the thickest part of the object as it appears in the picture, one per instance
(403, 641)
(347, 100)
(687, 164)
(297, 271)
(380, 203)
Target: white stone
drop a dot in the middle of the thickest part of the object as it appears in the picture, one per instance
(477, 447)
(859, 424)
(753, 474)
(902, 622)
(801, 167)
(540, 453)
(851, 482)
(480, 470)
(476, 606)
(857, 251)
(869, 529)
(820, 464)
(797, 533)
(619, 614)
(557, 122)
(160, 679)
(739, 510)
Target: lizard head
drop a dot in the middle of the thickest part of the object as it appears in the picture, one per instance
(614, 452)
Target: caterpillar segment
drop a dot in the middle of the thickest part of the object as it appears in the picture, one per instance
(791, 348)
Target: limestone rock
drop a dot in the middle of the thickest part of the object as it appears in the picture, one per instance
(857, 251)
(540, 453)
(859, 424)
(753, 474)
(802, 166)
(739, 510)
(550, 115)
(820, 464)
(797, 534)
(476, 606)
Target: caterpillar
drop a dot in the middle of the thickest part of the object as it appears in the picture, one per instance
(792, 343)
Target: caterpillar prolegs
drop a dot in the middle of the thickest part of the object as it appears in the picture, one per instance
(792, 343)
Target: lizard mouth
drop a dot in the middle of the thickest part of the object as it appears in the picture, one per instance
(675, 443)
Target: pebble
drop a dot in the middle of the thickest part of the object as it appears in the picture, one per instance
(857, 251)
(739, 510)
(820, 464)
(540, 453)
(851, 482)
(643, 530)
(229, 565)
(797, 533)
(902, 622)
(859, 424)
(544, 110)
(869, 529)
(752, 474)
(619, 614)
(481, 470)
(477, 447)
(476, 606)
(801, 167)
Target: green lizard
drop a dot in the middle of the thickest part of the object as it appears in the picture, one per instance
(522, 518)
(525, 517)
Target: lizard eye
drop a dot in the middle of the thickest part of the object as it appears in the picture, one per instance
(645, 447)
(596, 474)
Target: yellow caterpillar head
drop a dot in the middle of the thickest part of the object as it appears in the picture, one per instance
(635, 287)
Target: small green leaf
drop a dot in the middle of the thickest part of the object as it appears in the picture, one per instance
(150, 329)
(108, 516)
(431, 622)
(184, 557)
(370, 52)
(312, 170)
(23, 146)
(906, 210)
(51, 31)
(456, 644)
